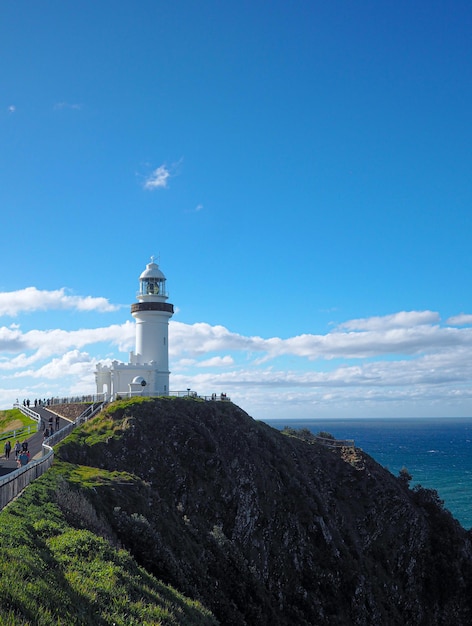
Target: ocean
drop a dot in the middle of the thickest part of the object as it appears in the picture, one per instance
(436, 451)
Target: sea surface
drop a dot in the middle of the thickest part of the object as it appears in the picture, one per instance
(436, 451)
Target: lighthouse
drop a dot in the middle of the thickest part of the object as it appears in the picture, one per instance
(147, 373)
(152, 314)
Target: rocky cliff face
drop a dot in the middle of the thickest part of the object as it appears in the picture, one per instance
(269, 529)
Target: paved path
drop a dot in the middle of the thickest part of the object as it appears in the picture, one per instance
(35, 441)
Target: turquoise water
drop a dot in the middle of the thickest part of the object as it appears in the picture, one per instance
(436, 451)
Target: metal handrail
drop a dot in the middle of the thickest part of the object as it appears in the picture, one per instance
(13, 483)
(28, 412)
(14, 434)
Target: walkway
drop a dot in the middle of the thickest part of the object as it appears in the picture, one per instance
(34, 442)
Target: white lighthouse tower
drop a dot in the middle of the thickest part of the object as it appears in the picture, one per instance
(147, 372)
(152, 314)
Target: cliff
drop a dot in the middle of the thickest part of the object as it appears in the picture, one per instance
(269, 529)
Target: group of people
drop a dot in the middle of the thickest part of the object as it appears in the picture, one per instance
(27, 402)
(22, 454)
(50, 429)
(51, 401)
(215, 397)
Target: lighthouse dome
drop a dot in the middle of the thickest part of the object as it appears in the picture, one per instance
(152, 284)
(152, 271)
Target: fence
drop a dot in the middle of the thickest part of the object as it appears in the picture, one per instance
(61, 434)
(171, 394)
(19, 432)
(13, 483)
(28, 405)
(27, 411)
(335, 443)
(222, 397)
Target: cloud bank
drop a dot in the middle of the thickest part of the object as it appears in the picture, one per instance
(31, 299)
(408, 362)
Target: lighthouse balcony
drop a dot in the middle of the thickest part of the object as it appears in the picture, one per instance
(152, 306)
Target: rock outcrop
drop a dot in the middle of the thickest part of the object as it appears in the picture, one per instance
(268, 529)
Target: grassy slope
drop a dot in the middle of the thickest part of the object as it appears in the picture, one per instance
(53, 571)
(14, 418)
(61, 564)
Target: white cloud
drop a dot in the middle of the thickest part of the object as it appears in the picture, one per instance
(403, 319)
(73, 362)
(201, 338)
(405, 363)
(11, 339)
(361, 345)
(157, 179)
(44, 343)
(406, 369)
(31, 299)
(11, 108)
(190, 342)
(430, 371)
(217, 361)
(463, 319)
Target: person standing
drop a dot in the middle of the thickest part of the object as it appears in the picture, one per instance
(7, 449)
(23, 458)
(17, 449)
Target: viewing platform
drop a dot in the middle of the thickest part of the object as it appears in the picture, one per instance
(334, 443)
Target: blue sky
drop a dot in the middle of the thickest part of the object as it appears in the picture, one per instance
(301, 170)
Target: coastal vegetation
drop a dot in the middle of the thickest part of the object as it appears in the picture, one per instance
(181, 511)
(61, 566)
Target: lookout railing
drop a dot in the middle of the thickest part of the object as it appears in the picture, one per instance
(12, 484)
(335, 443)
(220, 397)
(17, 432)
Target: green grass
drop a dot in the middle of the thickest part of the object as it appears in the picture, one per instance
(55, 571)
(12, 416)
(119, 405)
(11, 421)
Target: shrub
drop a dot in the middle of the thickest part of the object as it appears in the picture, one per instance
(405, 476)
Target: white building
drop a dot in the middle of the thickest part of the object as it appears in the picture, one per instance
(147, 373)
